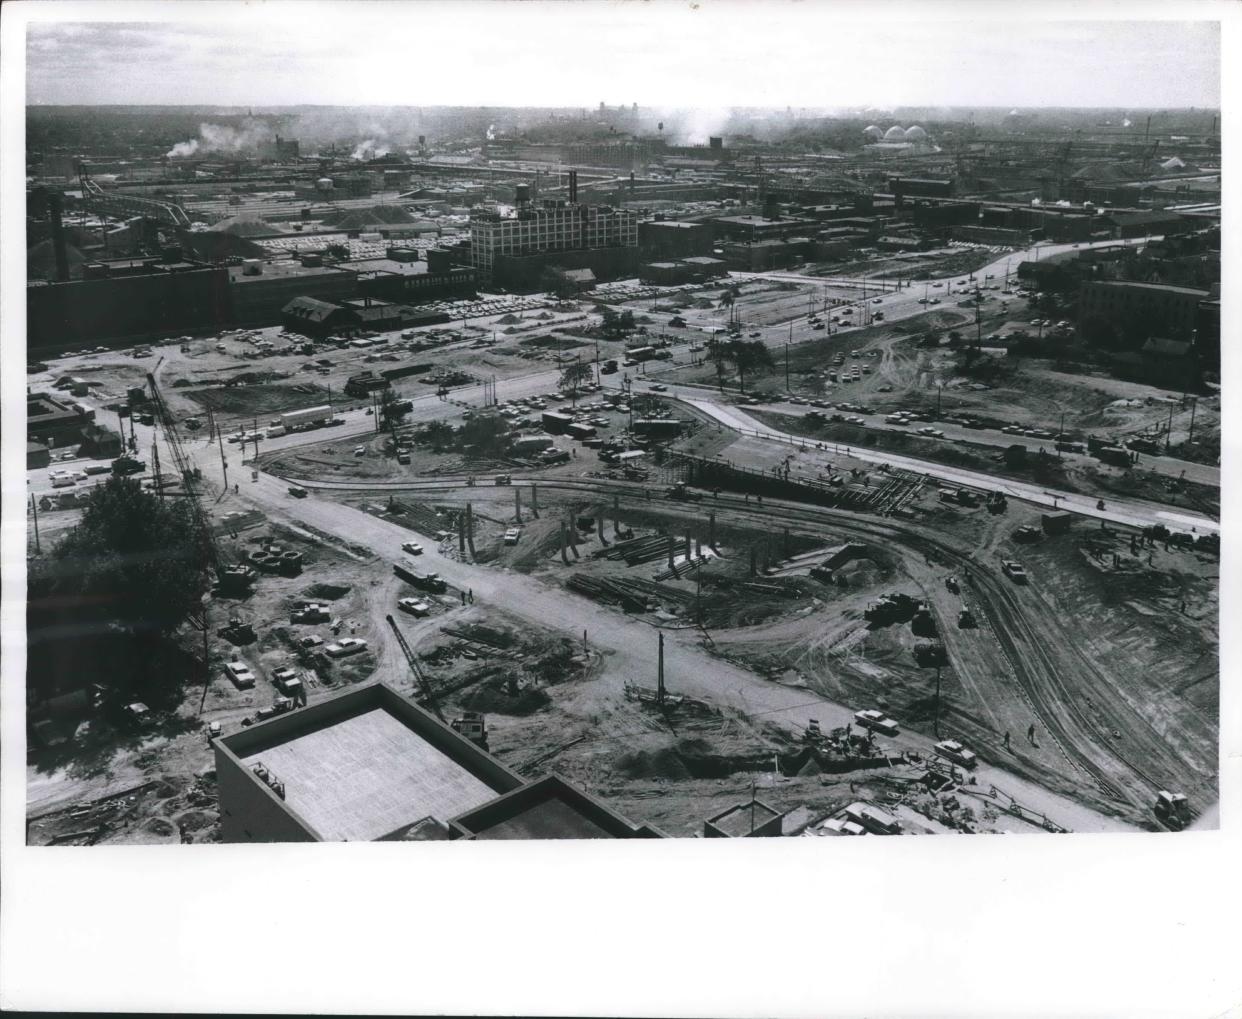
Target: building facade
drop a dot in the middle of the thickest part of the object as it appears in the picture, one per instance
(1170, 312)
(547, 229)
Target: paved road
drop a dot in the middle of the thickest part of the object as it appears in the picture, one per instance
(1166, 465)
(1120, 511)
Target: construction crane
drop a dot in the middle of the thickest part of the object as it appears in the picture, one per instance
(235, 579)
(419, 676)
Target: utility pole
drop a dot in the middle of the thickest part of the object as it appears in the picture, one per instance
(1194, 405)
(1168, 434)
(660, 674)
(34, 509)
(224, 464)
(155, 463)
(936, 728)
(1061, 436)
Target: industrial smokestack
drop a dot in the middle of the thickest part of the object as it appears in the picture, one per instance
(55, 204)
(573, 187)
(1147, 133)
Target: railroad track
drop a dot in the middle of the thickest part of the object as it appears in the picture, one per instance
(1038, 676)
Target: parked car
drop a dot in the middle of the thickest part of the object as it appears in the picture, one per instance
(313, 641)
(414, 606)
(345, 646)
(413, 547)
(239, 672)
(876, 721)
(512, 535)
(952, 750)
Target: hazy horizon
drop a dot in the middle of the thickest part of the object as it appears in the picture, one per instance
(718, 55)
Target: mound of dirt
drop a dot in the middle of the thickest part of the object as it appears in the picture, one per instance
(158, 826)
(330, 592)
(811, 768)
(662, 763)
(193, 820)
(497, 701)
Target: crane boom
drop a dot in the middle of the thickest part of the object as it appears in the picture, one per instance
(238, 578)
(419, 677)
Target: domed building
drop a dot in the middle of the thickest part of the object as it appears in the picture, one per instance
(872, 133)
(895, 134)
(916, 134)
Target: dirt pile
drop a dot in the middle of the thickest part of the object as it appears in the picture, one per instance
(329, 592)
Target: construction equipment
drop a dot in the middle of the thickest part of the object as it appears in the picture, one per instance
(427, 697)
(233, 579)
(1173, 809)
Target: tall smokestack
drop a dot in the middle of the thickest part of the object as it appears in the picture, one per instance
(1147, 133)
(573, 187)
(55, 204)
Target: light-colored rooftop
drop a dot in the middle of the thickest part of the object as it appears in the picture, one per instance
(366, 776)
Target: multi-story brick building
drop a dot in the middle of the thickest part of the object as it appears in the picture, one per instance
(546, 229)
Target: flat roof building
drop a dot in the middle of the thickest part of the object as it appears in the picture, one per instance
(548, 228)
(368, 764)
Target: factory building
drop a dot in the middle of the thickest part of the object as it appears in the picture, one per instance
(761, 228)
(132, 298)
(370, 765)
(698, 269)
(508, 249)
(1171, 312)
(662, 240)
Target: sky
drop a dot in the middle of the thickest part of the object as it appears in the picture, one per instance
(656, 53)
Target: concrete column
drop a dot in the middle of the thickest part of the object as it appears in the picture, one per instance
(461, 533)
(564, 551)
(470, 528)
(711, 530)
(599, 521)
(517, 505)
(534, 501)
(671, 544)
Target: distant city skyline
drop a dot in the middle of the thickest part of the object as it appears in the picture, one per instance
(661, 54)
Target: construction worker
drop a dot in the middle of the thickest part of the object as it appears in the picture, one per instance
(1006, 739)
(1030, 735)
(463, 597)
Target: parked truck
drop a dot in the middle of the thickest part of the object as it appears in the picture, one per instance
(423, 581)
(297, 420)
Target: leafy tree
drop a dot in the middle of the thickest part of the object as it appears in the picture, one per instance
(484, 435)
(338, 251)
(748, 356)
(393, 408)
(575, 375)
(617, 325)
(437, 435)
(134, 560)
(104, 602)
